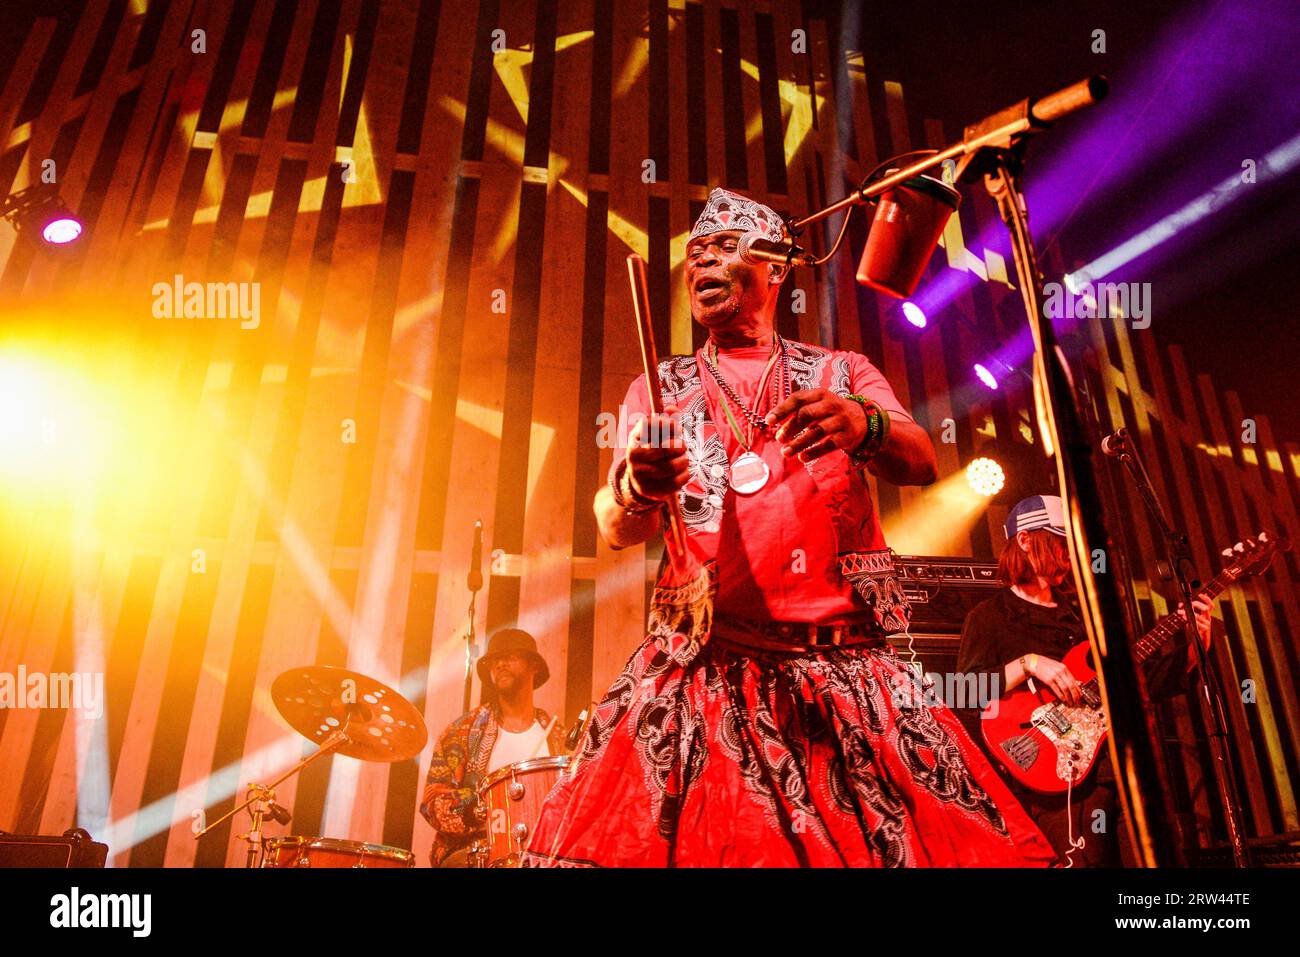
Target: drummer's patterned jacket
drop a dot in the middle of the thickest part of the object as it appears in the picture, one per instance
(459, 764)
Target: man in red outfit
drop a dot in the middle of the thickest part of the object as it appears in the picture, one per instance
(781, 731)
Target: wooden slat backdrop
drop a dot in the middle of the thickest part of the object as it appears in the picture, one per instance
(386, 177)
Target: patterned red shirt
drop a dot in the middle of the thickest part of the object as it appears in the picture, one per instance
(777, 548)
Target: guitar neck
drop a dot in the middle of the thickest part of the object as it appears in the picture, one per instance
(1171, 624)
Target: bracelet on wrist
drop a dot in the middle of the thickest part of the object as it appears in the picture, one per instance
(635, 500)
(625, 496)
(877, 431)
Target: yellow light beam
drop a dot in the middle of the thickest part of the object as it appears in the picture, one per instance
(510, 66)
(635, 239)
(912, 530)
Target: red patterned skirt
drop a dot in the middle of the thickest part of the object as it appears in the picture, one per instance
(729, 757)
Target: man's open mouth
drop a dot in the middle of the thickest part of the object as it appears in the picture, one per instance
(707, 287)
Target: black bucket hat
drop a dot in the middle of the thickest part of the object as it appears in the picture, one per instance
(509, 640)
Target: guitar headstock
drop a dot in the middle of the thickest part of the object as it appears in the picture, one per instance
(1253, 555)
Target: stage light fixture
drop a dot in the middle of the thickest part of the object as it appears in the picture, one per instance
(61, 229)
(38, 211)
(985, 477)
(914, 314)
(985, 376)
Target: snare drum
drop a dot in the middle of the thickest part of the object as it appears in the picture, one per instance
(326, 852)
(512, 800)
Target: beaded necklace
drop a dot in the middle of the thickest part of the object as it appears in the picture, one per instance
(749, 472)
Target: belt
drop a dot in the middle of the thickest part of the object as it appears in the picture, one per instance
(793, 636)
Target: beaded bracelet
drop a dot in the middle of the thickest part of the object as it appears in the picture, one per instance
(638, 504)
(877, 431)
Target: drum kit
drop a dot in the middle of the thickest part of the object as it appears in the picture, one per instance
(509, 805)
(345, 712)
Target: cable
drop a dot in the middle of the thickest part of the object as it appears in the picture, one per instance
(883, 166)
(1075, 844)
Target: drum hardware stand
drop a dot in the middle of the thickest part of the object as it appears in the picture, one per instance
(478, 854)
(261, 800)
(371, 721)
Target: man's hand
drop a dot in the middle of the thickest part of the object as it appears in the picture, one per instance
(814, 422)
(1059, 679)
(1204, 619)
(656, 456)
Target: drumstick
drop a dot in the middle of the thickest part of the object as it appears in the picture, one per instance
(675, 532)
(546, 736)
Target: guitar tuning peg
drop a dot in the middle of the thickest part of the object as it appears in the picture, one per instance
(1240, 547)
(1226, 553)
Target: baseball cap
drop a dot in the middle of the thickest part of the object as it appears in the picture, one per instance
(1036, 511)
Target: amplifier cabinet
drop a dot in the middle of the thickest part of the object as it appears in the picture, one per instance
(74, 849)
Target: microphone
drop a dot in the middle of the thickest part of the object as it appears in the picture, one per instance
(575, 732)
(754, 249)
(476, 559)
(1116, 443)
(1050, 108)
(1028, 116)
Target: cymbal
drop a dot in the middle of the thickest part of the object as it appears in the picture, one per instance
(380, 724)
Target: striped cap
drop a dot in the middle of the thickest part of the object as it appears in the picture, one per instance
(727, 210)
(1037, 511)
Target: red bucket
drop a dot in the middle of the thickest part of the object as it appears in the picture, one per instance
(910, 218)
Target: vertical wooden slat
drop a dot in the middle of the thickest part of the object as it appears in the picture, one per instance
(475, 434)
(544, 588)
(840, 299)
(620, 575)
(714, 118)
(1280, 703)
(1230, 516)
(475, 449)
(1283, 681)
(303, 591)
(98, 604)
(16, 87)
(679, 203)
(753, 109)
(793, 72)
(246, 487)
(55, 110)
(938, 402)
(405, 418)
(1205, 555)
(1147, 546)
(32, 647)
(355, 800)
(98, 107)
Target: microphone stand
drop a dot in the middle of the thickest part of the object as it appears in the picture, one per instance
(474, 582)
(469, 650)
(995, 147)
(1178, 559)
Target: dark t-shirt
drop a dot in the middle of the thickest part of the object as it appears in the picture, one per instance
(1000, 630)
(1006, 626)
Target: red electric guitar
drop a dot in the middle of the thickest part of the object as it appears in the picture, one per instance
(1045, 744)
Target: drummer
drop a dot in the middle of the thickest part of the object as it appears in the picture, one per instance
(506, 728)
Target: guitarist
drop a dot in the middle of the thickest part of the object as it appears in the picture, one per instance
(1023, 633)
